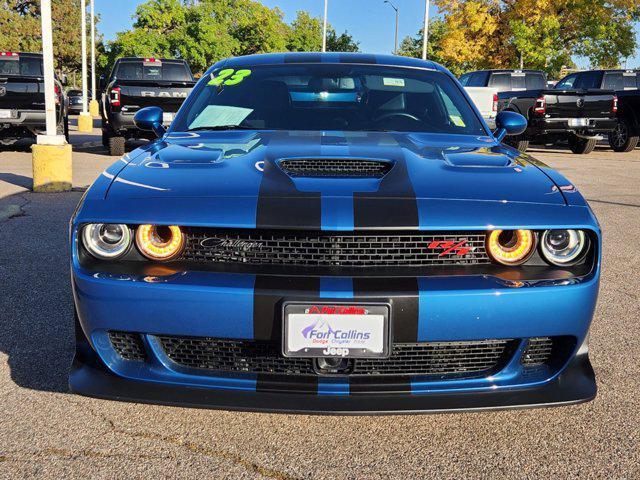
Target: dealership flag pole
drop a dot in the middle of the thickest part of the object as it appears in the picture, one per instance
(324, 28)
(51, 155)
(425, 32)
(85, 122)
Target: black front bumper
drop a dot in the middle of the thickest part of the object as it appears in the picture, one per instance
(90, 377)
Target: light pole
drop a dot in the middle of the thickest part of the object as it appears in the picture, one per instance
(93, 105)
(425, 32)
(51, 155)
(395, 50)
(85, 122)
(324, 27)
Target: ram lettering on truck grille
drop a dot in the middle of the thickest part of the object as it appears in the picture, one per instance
(164, 94)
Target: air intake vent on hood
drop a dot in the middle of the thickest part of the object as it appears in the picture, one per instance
(335, 167)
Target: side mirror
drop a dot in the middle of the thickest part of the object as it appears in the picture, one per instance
(509, 123)
(150, 119)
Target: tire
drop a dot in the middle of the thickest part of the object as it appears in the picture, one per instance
(116, 146)
(582, 146)
(621, 140)
(518, 144)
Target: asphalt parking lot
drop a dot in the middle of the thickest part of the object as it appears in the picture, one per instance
(47, 432)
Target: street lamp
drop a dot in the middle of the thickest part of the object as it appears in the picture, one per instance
(395, 50)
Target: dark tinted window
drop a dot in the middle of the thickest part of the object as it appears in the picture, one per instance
(140, 70)
(621, 80)
(329, 97)
(535, 81)
(464, 79)
(588, 80)
(22, 66)
(478, 79)
(501, 81)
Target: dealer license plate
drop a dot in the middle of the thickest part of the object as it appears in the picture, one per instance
(5, 113)
(329, 330)
(578, 122)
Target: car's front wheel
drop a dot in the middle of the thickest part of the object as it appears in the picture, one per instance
(621, 139)
(518, 143)
(116, 146)
(582, 146)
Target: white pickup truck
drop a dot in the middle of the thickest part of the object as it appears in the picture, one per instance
(486, 99)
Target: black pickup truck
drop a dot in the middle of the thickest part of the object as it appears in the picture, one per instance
(136, 83)
(574, 112)
(626, 84)
(22, 110)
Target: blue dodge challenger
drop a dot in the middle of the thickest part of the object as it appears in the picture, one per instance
(333, 233)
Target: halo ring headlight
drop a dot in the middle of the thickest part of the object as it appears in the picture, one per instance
(106, 241)
(511, 247)
(563, 247)
(159, 242)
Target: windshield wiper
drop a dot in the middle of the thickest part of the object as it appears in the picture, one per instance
(223, 127)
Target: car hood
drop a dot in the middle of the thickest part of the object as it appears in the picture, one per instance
(238, 177)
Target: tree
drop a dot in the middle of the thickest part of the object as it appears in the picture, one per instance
(412, 46)
(20, 30)
(341, 43)
(305, 35)
(542, 34)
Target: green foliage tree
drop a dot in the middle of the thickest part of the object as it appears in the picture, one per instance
(341, 43)
(412, 46)
(306, 36)
(20, 30)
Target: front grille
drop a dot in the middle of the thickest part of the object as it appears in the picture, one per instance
(334, 250)
(537, 352)
(245, 356)
(128, 345)
(335, 167)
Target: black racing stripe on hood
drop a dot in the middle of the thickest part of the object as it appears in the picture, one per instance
(394, 204)
(269, 293)
(280, 203)
(303, 58)
(404, 324)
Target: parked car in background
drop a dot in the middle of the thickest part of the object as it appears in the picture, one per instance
(135, 83)
(22, 108)
(331, 232)
(486, 100)
(75, 101)
(626, 84)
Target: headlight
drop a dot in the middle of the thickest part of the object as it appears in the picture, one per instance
(511, 247)
(562, 247)
(159, 242)
(106, 241)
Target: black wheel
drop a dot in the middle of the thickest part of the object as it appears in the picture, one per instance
(582, 146)
(518, 143)
(621, 140)
(116, 146)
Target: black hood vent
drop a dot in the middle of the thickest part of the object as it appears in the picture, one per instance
(335, 167)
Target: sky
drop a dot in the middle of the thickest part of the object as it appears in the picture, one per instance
(371, 22)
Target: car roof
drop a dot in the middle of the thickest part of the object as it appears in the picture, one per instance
(507, 70)
(26, 54)
(177, 60)
(329, 57)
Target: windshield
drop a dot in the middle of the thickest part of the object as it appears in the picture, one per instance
(21, 66)
(156, 70)
(329, 97)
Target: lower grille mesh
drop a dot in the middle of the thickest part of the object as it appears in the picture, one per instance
(538, 351)
(335, 167)
(438, 358)
(128, 345)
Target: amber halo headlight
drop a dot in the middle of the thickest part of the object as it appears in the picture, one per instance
(159, 242)
(106, 241)
(511, 247)
(563, 247)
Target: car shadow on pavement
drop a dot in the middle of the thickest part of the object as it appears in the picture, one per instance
(36, 308)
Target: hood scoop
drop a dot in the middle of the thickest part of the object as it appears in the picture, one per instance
(336, 167)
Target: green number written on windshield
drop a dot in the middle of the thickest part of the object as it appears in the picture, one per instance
(229, 77)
